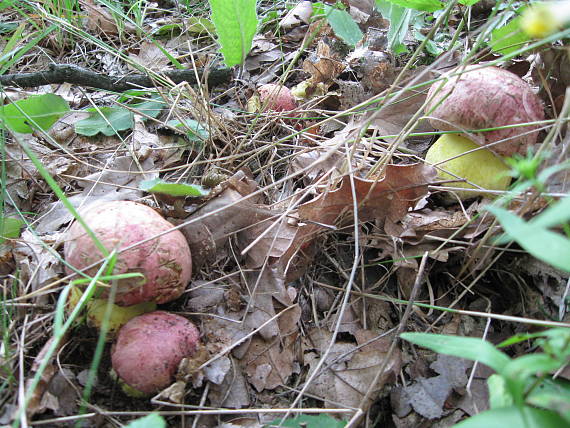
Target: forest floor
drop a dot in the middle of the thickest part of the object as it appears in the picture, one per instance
(318, 231)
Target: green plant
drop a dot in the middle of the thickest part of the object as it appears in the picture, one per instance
(236, 24)
(519, 385)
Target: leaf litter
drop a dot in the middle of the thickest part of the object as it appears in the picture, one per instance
(272, 241)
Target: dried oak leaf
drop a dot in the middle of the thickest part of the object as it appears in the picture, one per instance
(387, 199)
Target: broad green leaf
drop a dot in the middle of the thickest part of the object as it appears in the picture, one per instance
(308, 421)
(45, 110)
(343, 25)
(519, 417)
(108, 121)
(554, 215)
(509, 38)
(468, 2)
(462, 347)
(236, 24)
(139, 101)
(194, 130)
(499, 395)
(9, 228)
(172, 189)
(424, 5)
(153, 420)
(151, 108)
(543, 244)
(553, 395)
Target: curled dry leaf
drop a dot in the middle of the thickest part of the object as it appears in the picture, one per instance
(387, 199)
(325, 64)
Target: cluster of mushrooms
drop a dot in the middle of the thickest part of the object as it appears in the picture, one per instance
(149, 344)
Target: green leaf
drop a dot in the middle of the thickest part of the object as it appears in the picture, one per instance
(499, 395)
(194, 130)
(106, 120)
(172, 189)
(151, 107)
(7, 27)
(554, 215)
(527, 365)
(509, 38)
(553, 395)
(343, 25)
(153, 420)
(424, 5)
(543, 244)
(197, 25)
(236, 24)
(5, 4)
(9, 228)
(468, 2)
(308, 421)
(519, 417)
(462, 347)
(400, 18)
(45, 110)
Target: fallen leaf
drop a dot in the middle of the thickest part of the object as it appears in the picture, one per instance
(270, 364)
(118, 181)
(387, 199)
(348, 370)
(150, 57)
(100, 19)
(300, 14)
(38, 263)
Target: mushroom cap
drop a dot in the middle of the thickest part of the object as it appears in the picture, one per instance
(487, 98)
(165, 261)
(149, 349)
(277, 97)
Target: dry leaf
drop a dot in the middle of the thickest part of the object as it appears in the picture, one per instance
(348, 370)
(150, 56)
(38, 263)
(263, 289)
(325, 64)
(35, 402)
(270, 364)
(300, 14)
(99, 19)
(388, 198)
(119, 181)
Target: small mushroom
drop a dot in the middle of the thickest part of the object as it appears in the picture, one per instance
(149, 349)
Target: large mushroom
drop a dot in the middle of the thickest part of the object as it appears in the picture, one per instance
(482, 98)
(161, 256)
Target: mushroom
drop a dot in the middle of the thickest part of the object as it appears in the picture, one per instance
(488, 97)
(149, 349)
(161, 256)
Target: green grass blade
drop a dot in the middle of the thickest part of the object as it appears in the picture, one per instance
(463, 347)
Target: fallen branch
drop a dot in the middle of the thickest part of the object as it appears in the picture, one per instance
(69, 73)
